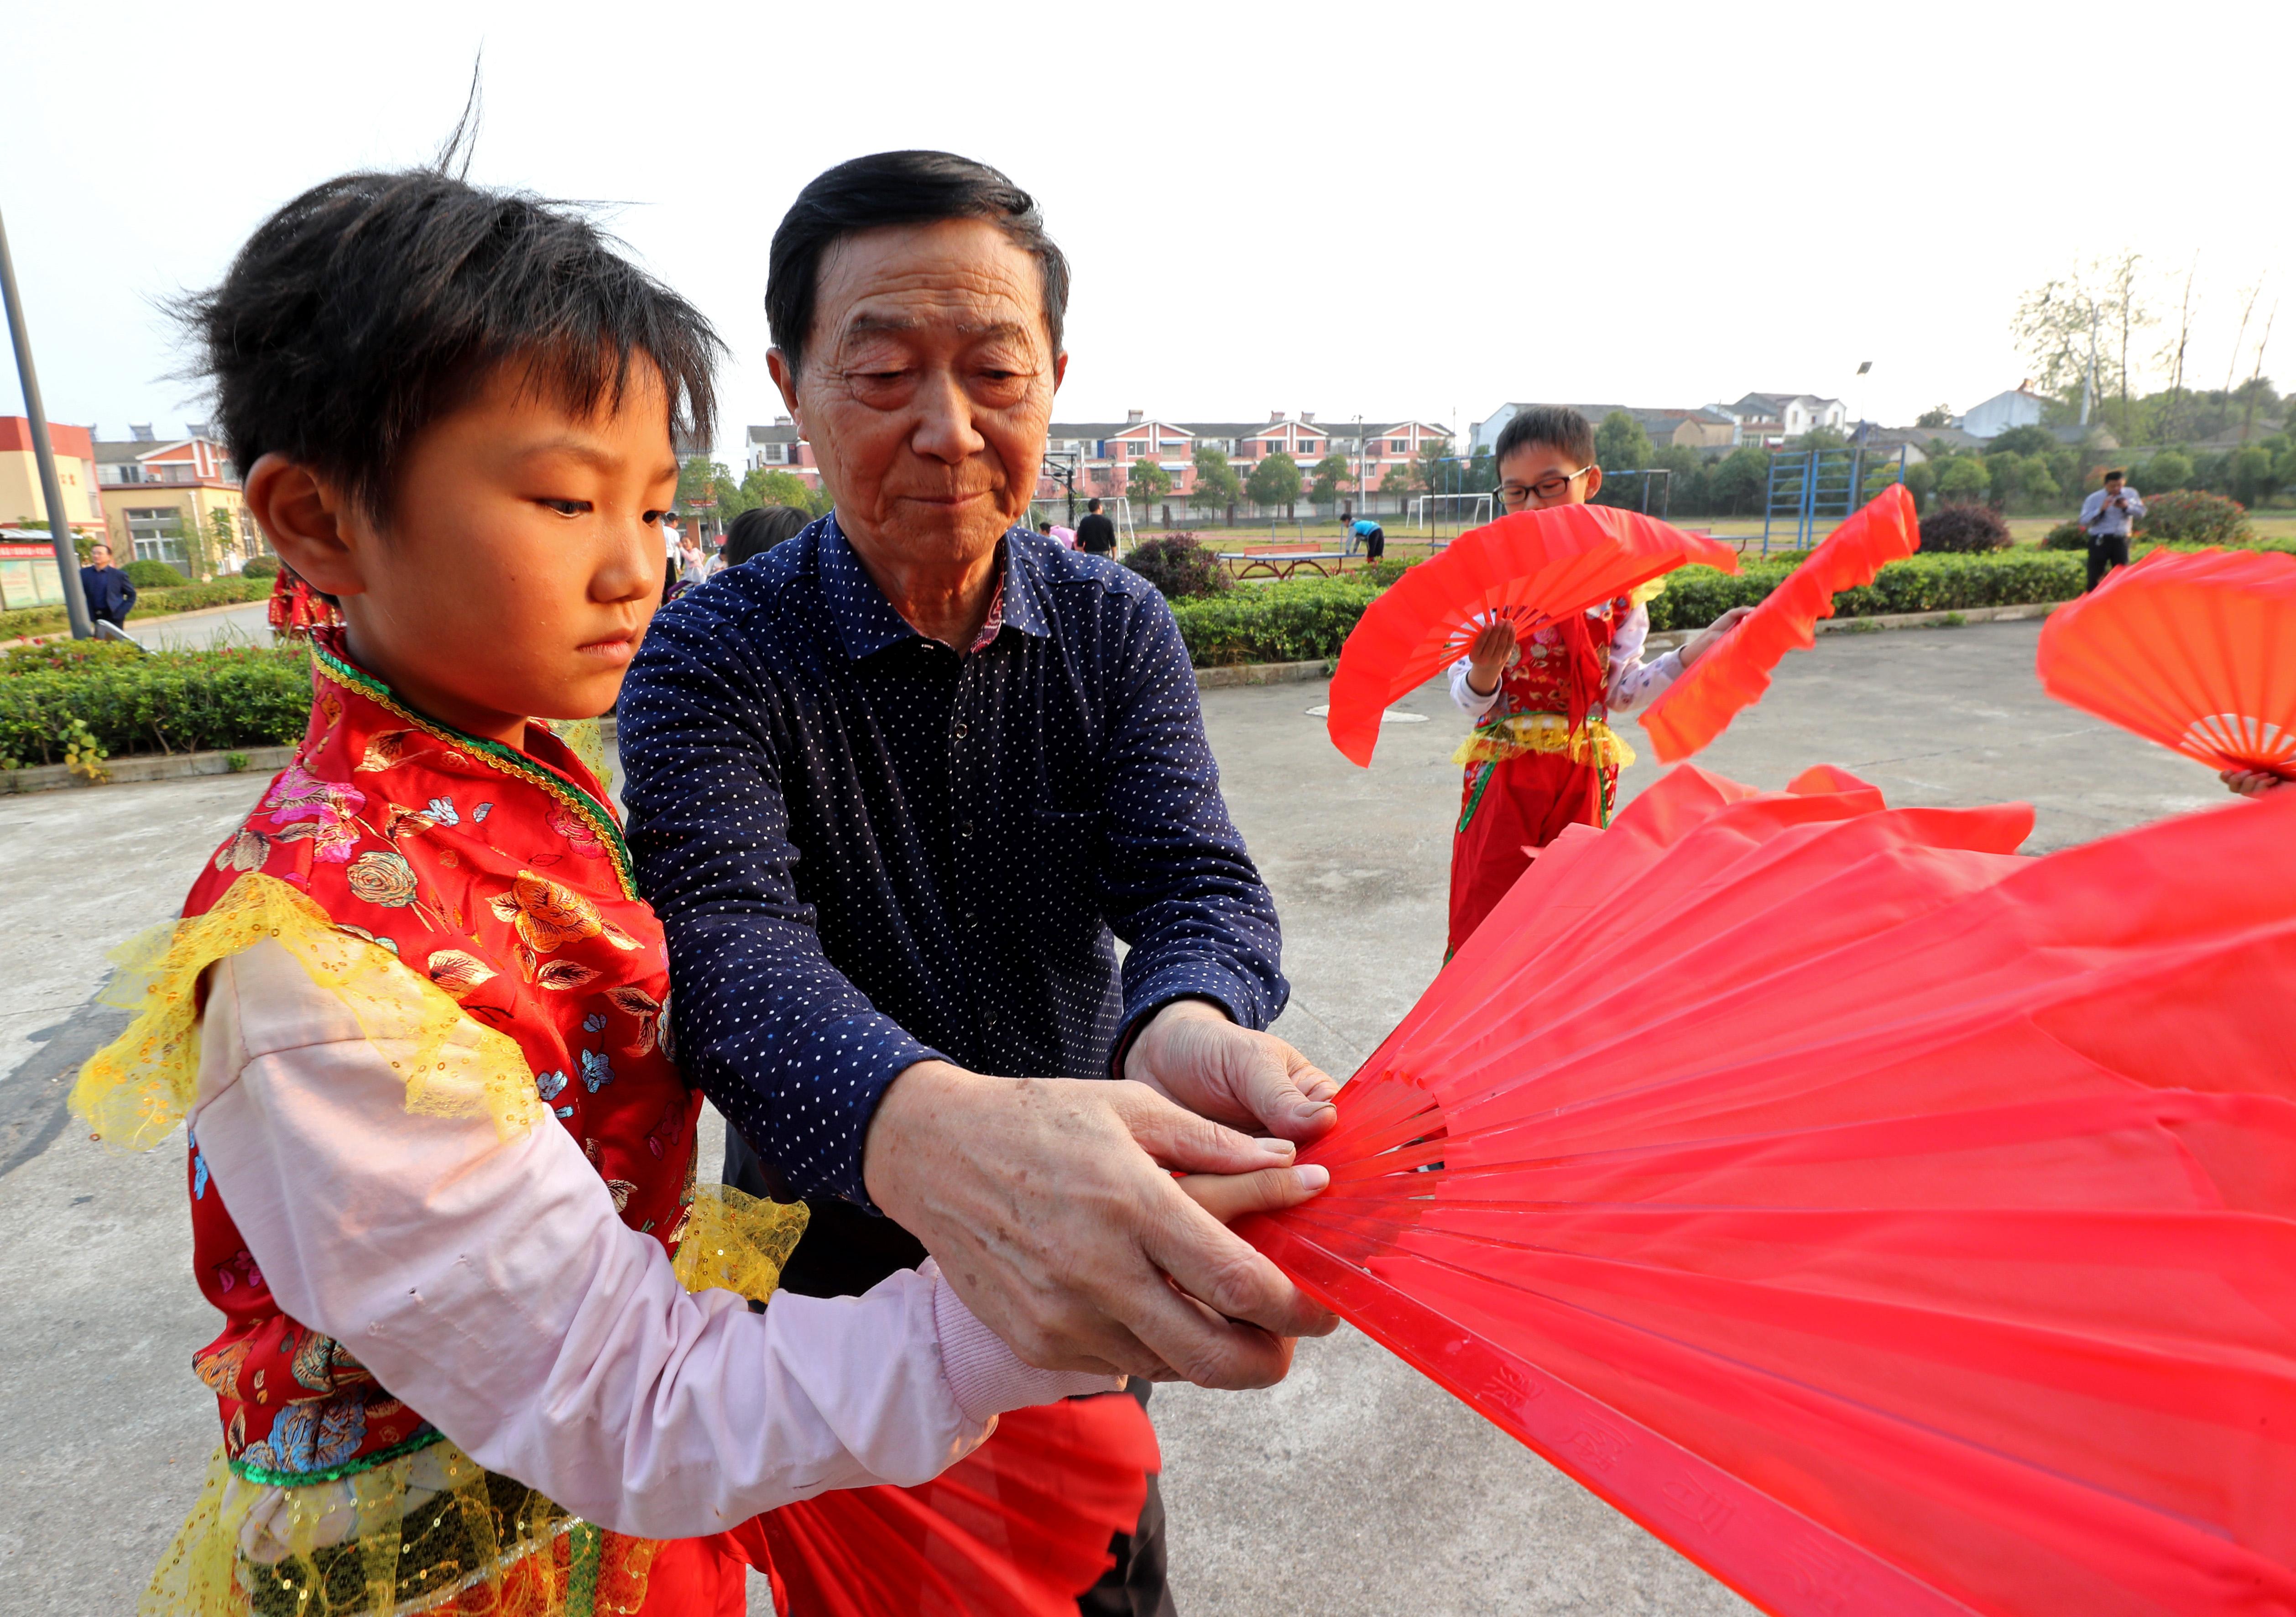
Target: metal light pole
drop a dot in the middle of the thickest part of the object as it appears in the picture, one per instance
(59, 528)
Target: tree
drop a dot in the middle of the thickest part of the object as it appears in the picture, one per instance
(1740, 480)
(1396, 482)
(1217, 487)
(1620, 444)
(2169, 469)
(2088, 316)
(1962, 480)
(1433, 472)
(1334, 475)
(1821, 439)
(1936, 415)
(2253, 479)
(1148, 483)
(770, 485)
(1275, 482)
(1686, 470)
(2023, 440)
(224, 536)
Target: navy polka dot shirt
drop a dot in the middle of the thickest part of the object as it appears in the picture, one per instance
(868, 851)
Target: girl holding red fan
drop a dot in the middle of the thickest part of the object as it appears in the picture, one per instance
(1543, 754)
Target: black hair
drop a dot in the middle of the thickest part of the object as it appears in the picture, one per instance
(1092, 504)
(374, 304)
(2116, 471)
(1554, 426)
(756, 531)
(897, 188)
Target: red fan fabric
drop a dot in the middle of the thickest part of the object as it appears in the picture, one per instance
(1535, 567)
(1698, 706)
(1019, 1528)
(2195, 649)
(1890, 1223)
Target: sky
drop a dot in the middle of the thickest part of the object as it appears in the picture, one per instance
(1348, 209)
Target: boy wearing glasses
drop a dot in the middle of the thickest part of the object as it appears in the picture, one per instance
(1542, 755)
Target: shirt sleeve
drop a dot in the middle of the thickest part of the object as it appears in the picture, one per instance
(1180, 888)
(789, 1049)
(1632, 681)
(490, 1284)
(2135, 501)
(1473, 705)
(2092, 508)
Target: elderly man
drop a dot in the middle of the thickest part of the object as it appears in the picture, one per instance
(892, 788)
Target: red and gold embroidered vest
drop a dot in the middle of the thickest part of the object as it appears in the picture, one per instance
(1563, 667)
(501, 877)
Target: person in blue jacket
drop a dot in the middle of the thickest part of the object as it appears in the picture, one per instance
(110, 596)
(1373, 537)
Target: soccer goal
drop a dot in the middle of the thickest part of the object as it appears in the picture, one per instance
(1431, 512)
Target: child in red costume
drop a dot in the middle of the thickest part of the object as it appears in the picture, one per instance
(1542, 755)
(487, 1346)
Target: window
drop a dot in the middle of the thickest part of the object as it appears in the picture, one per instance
(123, 474)
(157, 533)
(1309, 448)
(1398, 447)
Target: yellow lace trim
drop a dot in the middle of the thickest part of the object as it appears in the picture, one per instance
(432, 1531)
(1523, 734)
(133, 1091)
(586, 738)
(737, 1242)
(1642, 595)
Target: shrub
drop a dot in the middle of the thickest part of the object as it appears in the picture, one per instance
(2187, 516)
(2068, 535)
(260, 567)
(1179, 568)
(1295, 621)
(1962, 529)
(155, 575)
(126, 702)
(1694, 596)
(2169, 469)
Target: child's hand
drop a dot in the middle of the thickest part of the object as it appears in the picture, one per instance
(1705, 640)
(1488, 654)
(2252, 783)
(1229, 1196)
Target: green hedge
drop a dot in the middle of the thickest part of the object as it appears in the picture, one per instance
(148, 604)
(169, 702)
(1295, 621)
(1695, 596)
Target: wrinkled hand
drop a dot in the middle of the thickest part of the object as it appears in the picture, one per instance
(1488, 654)
(1190, 1053)
(1709, 638)
(2252, 783)
(1051, 1206)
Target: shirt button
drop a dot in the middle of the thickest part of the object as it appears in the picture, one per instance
(965, 828)
(962, 731)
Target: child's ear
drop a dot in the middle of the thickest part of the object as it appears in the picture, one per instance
(1594, 481)
(305, 519)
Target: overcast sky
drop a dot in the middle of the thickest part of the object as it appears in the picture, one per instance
(1375, 210)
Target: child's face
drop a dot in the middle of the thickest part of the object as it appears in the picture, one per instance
(1538, 475)
(522, 562)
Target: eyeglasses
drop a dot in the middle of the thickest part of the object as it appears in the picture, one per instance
(1548, 490)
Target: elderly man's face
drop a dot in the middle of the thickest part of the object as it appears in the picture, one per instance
(927, 386)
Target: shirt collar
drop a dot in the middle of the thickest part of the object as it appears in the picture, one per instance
(867, 622)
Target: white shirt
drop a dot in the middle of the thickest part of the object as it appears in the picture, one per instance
(2098, 520)
(491, 1284)
(1631, 681)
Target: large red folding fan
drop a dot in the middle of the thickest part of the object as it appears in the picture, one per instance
(2196, 650)
(1890, 1223)
(1698, 706)
(1535, 567)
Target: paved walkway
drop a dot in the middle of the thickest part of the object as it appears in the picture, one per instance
(1355, 1489)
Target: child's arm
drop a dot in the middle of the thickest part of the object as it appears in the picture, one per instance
(1633, 682)
(490, 1284)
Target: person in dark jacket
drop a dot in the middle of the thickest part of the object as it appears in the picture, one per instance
(111, 598)
(1096, 534)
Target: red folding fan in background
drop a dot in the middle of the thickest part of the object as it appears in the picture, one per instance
(1019, 1528)
(1698, 706)
(1890, 1223)
(1534, 567)
(2196, 650)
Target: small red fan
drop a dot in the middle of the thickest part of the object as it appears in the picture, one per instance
(1890, 1223)
(1017, 1528)
(2196, 650)
(1698, 706)
(1535, 567)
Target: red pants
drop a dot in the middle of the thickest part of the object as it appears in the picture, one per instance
(1508, 810)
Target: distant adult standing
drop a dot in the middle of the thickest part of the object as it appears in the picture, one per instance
(111, 595)
(1373, 537)
(2106, 515)
(1096, 534)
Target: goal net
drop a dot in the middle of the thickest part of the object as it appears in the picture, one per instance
(1431, 512)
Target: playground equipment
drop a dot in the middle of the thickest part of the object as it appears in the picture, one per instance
(1431, 508)
(1811, 490)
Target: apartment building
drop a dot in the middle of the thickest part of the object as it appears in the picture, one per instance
(162, 496)
(1705, 427)
(21, 500)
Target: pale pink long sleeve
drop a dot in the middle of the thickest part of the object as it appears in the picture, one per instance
(490, 1284)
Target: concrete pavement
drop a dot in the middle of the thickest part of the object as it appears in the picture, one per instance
(1356, 1488)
